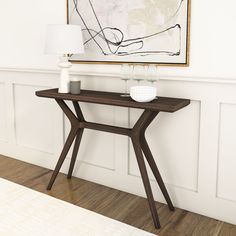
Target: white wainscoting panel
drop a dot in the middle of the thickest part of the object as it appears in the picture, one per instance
(94, 145)
(3, 130)
(227, 153)
(194, 148)
(168, 137)
(33, 117)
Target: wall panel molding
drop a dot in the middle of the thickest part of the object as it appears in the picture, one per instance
(226, 153)
(30, 119)
(171, 153)
(196, 159)
(3, 117)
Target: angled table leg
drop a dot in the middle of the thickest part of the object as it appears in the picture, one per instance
(156, 173)
(73, 132)
(62, 157)
(79, 135)
(146, 183)
(136, 132)
(75, 152)
(140, 144)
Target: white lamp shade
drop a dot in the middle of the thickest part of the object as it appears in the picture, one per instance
(64, 39)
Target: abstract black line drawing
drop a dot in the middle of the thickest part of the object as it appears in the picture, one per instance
(134, 31)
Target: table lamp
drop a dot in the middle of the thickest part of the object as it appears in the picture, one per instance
(64, 40)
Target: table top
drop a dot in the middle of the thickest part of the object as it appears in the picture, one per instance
(164, 104)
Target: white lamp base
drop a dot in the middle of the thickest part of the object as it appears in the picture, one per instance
(64, 65)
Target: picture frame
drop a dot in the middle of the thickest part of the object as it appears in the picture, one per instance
(115, 31)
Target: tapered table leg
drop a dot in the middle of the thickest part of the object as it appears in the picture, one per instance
(147, 152)
(75, 152)
(62, 157)
(145, 179)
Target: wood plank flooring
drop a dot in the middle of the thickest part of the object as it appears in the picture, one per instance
(118, 205)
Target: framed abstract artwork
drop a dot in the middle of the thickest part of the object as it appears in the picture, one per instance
(132, 31)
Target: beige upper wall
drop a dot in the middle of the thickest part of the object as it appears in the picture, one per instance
(22, 31)
(213, 37)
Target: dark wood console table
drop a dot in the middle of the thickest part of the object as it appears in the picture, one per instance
(137, 133)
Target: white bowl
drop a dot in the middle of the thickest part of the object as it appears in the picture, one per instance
(143, 93)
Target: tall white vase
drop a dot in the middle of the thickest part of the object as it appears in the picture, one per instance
(64, 65)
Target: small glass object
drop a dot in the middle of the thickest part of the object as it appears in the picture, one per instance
(138, 73)
(125, 73)
(152, 73)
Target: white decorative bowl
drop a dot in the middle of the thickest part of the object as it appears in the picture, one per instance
(143, 93)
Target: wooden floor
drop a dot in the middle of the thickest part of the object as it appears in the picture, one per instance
(124, 207)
